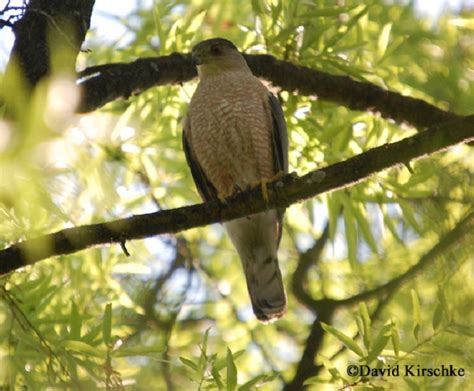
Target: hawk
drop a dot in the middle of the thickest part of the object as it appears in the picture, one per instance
(235, 137)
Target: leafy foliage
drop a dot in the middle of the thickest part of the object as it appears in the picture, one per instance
(99, 318)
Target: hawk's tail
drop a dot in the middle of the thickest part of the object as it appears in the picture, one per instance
(256, 239)
(265, 286)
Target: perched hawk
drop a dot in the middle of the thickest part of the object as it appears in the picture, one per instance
(234, 137)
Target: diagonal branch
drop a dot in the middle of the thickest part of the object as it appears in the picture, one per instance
(104, 83)
(306, 260)
(456, 237)
(282, 193)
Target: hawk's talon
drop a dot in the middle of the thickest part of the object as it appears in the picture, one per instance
(222, 198)
(263, 188)
(264, 185)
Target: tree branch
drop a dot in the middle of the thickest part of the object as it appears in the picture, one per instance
(108, 82)
(306, 367)
(66, 21)
(282, 193)
(306, 260)
(455, 237)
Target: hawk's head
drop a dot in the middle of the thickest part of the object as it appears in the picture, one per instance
(213, 50)
(216, 55)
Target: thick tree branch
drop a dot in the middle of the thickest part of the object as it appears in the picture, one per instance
(105, 83)
(281, 194)
(108, 82)
(65, 20)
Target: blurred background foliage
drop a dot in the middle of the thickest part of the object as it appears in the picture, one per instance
(179, 316)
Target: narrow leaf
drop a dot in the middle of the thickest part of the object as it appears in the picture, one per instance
(380, 342)
(437, 317)
(83, 348)
(348, 341)
(351, 234)
(361, 216)
(334, 207)
(364, 313)
(384, 38)
(416, 313)
(231, 372)
(396, 341)
(189, 363)
(152, 351)
(75, 323)
(107, 324)
(217, 378)
(250, 385)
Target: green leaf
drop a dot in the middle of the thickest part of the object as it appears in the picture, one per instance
(107, 324)
(329, 11)
(189, 363)
(360, 324)
(231, 372)
(364, 314)
(334, 207)
(413, 386)
(460, 329)
(409, 215)
(383, 40)
(437, 316)
(351, 233)
(152, 351)
(380, 342)
(396, 341)
(83, 348)
(276, 11)
(252, 382)
(204, 341)
(348, 341)
(203, 359)
(258, 7)
(325, 361)
(361, 217)
(75, 322)
(388, 223)
(416, 314)
(217, 378)
(337, 37)
(444, 304)
(221, 363)
(316, 380)
(196, 22)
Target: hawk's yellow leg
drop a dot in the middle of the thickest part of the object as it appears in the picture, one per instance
(264, 183)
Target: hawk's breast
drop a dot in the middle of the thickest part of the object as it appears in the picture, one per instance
(231, 131)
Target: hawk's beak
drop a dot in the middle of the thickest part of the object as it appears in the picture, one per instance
(196, 59)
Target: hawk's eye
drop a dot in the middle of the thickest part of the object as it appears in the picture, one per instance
(216, 50)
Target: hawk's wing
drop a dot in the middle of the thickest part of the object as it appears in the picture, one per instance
(204, 187)
(279, 135)
(280, 148)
